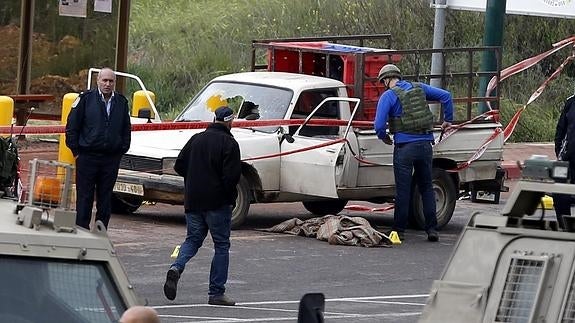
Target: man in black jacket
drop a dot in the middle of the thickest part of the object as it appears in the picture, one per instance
(98, 132)
(211, 166)
(565, 150)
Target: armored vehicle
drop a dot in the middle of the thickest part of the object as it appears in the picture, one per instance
(51, 270)
(513, 267)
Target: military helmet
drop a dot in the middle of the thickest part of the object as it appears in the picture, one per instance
(387, 71)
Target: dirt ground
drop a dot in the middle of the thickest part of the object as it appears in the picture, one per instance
(44, 51)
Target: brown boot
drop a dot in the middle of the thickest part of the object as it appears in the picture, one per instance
(220, 300)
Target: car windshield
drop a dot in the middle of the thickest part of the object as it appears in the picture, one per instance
(249, 102)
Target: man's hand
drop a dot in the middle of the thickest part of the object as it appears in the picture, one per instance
(387, 140)
(445, 125)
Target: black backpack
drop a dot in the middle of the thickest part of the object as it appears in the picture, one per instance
(8, 165)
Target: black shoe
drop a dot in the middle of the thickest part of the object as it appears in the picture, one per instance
(432, 235)
(220, 300)
(171, 285)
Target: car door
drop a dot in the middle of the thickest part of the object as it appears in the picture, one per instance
(315, 161)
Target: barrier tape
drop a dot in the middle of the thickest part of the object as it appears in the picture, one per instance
(515, 119)
(328, 143)
(479, 152)
(493, 83)
(523, 65)
(494, 114)
(363, 208)
(60, 129)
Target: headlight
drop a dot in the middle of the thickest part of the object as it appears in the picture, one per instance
(168, 166)
(560, 172)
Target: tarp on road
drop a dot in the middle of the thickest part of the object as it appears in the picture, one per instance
(335, 229)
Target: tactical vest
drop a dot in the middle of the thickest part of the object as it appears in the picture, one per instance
(416, 118)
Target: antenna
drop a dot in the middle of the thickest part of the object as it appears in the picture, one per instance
(25, 123)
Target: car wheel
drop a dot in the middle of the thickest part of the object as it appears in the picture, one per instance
(445, 198)
(240, 211)
(325, 207)
(125, 204)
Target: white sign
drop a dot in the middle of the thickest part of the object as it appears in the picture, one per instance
(103, 5)
(547, 8)
(73, 8)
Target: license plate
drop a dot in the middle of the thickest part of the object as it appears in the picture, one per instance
(134, 189)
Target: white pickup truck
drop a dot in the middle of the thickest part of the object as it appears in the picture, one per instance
(325, 177)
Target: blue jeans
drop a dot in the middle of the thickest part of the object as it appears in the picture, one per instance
(218, 222)
(413, 157)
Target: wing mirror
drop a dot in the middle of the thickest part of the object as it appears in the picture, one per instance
(287, 137)
(145, 113)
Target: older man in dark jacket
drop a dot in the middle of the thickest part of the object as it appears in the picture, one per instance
(211, 166)
(98, 132)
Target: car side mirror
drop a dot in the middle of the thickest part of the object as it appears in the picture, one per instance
(145, 113)
(288, 137)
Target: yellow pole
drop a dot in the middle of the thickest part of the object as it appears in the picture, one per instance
(64, 153)
(6, 110)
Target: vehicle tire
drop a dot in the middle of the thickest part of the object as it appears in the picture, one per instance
(445, 198)
(325, 207)
(125, 204)
(240, 211)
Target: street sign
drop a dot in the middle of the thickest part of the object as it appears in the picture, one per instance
(546, 8)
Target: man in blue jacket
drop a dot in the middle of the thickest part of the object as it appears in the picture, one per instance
(404, 107)
(98, 132)
(211, 166)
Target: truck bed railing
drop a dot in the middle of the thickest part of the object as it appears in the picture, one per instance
(357, 67)
(358, 40)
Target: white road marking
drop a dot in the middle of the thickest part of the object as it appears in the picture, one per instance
(277, 319)
(343, 299)
(386, 302)
(252, 306)
(269, 236)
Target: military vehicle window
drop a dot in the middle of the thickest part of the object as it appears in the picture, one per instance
(521, 288)
(45, 290)
(569, 309)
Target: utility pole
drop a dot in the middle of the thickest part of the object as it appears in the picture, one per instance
(25, 49)
(493, 36)
(122, 42)
(436, 58)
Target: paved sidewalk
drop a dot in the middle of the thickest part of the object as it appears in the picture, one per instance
(518, 152)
